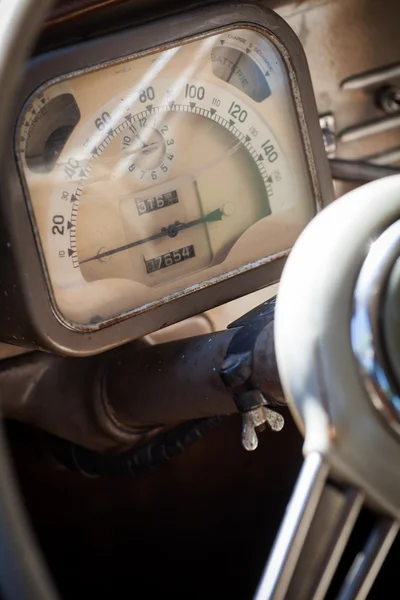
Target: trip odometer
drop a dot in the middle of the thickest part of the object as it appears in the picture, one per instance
(153, 176)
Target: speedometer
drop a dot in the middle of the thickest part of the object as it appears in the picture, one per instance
(170, 171)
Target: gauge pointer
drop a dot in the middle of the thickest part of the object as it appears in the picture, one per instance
(215, 215)
(144, 145)
(170, 231)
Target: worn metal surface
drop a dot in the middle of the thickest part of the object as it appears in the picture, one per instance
(189, 378)
(259, 419)
(7, 351)
(169, 382)
(63, 397)
(344, 38)
(113, 402)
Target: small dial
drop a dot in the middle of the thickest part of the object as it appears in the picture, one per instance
(149, 151)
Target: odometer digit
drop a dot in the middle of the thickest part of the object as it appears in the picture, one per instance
(170, 258)
(150, 204)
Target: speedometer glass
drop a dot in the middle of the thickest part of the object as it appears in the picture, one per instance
(153, 175)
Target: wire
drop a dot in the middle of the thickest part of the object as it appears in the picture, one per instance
(164, 447)
(359, 171)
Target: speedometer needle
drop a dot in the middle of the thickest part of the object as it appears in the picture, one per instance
(170, 231)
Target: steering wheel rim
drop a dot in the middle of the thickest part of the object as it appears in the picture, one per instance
(23, 573)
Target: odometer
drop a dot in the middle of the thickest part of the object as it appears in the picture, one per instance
(157, 202)
(170, 258)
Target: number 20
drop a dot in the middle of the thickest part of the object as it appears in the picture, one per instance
(58, 226)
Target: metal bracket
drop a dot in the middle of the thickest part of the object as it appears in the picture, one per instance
(236, 373)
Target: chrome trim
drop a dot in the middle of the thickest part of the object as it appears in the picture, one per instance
(361, 81)
(357, 132)
(293, 531)
(368, 563)
(366, 338)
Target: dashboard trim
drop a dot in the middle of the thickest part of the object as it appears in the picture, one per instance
(40, 325)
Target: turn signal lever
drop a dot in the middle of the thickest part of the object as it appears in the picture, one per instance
(249, 371)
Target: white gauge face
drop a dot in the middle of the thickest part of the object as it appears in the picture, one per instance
(154, 175)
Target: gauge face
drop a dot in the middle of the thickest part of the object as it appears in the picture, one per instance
(152, 176)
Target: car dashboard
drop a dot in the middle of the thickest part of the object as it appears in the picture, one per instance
(162, 161)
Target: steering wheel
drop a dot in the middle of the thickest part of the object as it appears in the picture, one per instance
(22, 571)
(337, 349)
